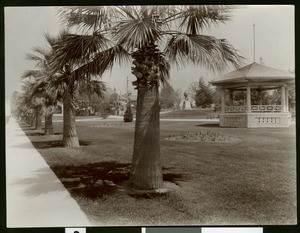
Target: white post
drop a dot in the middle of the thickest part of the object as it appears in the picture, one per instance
(62, 109)
(283, 107)
(248, 99)
(222, 100)
(254, 42)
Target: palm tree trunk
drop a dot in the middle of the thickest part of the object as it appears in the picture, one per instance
(70, 138)
(31, 121)
(146, 168)
(38, 119)
(48, 121)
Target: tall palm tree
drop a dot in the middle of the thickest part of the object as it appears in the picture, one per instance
(154, 37)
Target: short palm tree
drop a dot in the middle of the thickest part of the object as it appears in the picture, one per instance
(39, 86)
(56, 85)
(65, 83)
(154, 37)
(31, 105)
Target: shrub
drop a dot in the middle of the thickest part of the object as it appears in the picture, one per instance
(128, 116)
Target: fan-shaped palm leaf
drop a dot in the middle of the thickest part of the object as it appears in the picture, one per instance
(206, 51)
(51, 39)
(93, 17)
(71, 47)
(137, 32)
(32, 73)
(195, 18)
(102, 62)
(90, 87)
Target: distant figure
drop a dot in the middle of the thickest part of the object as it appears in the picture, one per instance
(186, 97)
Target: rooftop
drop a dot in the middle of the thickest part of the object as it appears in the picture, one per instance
(254, 72)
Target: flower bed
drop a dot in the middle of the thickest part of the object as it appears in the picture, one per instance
(201, 136)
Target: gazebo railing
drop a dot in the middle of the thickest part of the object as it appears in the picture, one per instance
(254, 108)
(265, 108)
(235, 109)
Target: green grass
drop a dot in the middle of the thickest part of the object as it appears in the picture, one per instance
(247, 181)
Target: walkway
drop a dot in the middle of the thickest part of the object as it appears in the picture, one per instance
(120, 118)
(35, 196)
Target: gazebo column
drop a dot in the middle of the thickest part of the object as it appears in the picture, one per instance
(222, 100)
(248, 99)
(260, 94)
(286, 100)
(231, 97)
(283, 99)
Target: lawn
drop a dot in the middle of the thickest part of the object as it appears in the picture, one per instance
(250, 180)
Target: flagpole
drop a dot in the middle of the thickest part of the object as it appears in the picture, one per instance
(254, 42)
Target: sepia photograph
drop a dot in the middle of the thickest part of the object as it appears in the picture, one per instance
(150, 116)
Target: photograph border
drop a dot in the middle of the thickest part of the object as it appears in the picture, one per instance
(7, 3)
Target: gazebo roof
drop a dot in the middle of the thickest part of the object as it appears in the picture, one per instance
(254, 72)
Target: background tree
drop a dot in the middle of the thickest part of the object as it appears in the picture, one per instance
(167, 96)
(14, 100)
(154, 36)
(178, 97)
(204, 94)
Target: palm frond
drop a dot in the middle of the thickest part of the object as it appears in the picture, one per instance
(33, 57)
(101, 62)
(164, 69)
(90, 87)
(136, 32)
(86, 18)
(230, 55)
(74, 48)
(50, 39)
(41, 50)
(125, 12)
(193, 19)
(55, 88)
(32, 74)
(206, 51)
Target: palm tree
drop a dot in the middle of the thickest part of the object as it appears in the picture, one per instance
(60, 85)
(30, 106)
(40, 88)
(154, 37)
(65, 83)
(41, 76)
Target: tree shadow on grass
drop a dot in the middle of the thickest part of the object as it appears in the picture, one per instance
(89, 181)
(24, 125)
(210, 125)
(92, 181)
(39, 133)
(55, 144)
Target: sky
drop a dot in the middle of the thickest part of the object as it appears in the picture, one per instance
(274, 42)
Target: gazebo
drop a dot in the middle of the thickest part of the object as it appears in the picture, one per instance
(249, 115)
